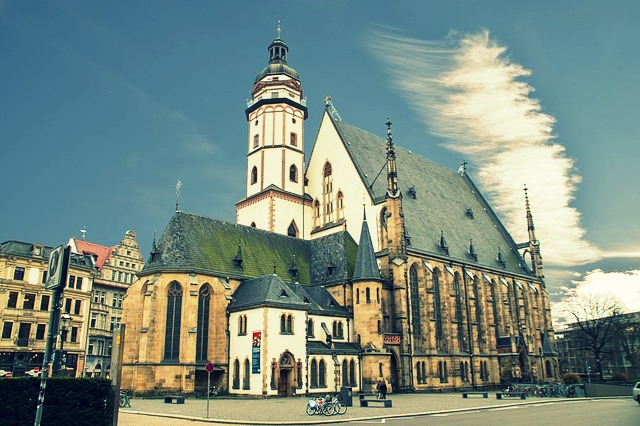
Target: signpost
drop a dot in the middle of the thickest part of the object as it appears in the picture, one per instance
(56, 277)
(209, 367)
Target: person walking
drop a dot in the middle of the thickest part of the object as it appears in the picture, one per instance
(378, 389)
(383, 389)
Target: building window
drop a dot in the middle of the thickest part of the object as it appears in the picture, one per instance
(74, 334)
(242, 325)
(44, 302)
(94, 320)
(202, 335)
(79, 283)
(293, 173)
(459, 315)
(310, 331)
(12, 300)
(316, 213)
(254, 175)
(256, 140)
(327, 192)
(322, 373)
(294, 139)
(286, 324)
(352, 373)
(340, 205)
(172, 330)
(415, 301)
(292, 231)
(437, 310)
(314, 373)
(7, 329)
(92, 345)
(44, 277)
(40, 331)
(23, 334)
(18, 273)
(367, 294)
(67, 305)
(77, 307)
(357, 296)
(345, 373)
(236, 374)
(29, 301)
(246, 383)
(72, 281)
(418, 373)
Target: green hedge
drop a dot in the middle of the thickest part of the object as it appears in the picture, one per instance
(67, 401)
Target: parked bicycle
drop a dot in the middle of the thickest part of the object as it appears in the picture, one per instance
(216, 391)
(124, 398)
(328, 405)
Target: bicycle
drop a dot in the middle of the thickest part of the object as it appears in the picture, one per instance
(216, 391)
(124, 399)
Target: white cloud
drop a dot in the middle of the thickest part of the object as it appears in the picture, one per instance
(471, 95)
(623, 286)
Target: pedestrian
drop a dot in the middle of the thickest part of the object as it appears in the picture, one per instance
(383, 389)
(379, 389)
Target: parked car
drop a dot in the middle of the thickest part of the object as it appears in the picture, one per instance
(636, 392)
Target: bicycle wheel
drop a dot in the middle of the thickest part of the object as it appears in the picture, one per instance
(310, 410)
(122, 401)
(341, 408)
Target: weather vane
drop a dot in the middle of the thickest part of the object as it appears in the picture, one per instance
(178, 186)
(278, 30)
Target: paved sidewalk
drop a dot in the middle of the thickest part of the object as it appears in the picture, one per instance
(291, 411)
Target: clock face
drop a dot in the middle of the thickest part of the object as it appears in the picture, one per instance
(53, 263)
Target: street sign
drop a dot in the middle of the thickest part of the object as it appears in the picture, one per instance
(209, 367)
(56, 268)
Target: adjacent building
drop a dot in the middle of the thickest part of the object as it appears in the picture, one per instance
(116, 269)
(25, 306)
(370, 262)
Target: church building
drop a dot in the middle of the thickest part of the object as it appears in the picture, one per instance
(369, 262)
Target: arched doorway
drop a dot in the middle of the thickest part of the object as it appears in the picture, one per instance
(393, 365)
(286, 375)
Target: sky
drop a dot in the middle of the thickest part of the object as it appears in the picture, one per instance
(104, 106)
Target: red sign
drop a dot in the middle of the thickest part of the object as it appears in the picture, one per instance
(209, 367)
(391, 339)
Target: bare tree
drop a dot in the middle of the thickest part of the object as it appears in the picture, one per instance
(597, 324)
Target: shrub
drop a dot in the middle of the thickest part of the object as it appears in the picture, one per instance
(619, 377)
(571, 378)
(68, 401)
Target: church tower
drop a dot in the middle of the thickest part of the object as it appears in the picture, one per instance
(275, 188)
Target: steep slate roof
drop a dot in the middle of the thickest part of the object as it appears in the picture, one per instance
(102, 253)
(194, 243)
(366, 264)
(19, 248)
(341, 348)
(269, 290)
(442, 198)
(320, 300)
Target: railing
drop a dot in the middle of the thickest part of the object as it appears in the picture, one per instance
(24, 341)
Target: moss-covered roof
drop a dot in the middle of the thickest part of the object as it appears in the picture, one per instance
(199, 244)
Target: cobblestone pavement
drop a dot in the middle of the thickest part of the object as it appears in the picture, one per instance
(291, 411)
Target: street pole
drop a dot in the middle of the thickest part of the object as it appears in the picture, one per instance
(58, 268)
(208, 390)
(116, 368)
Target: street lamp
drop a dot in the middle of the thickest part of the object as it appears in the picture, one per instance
(65, 319)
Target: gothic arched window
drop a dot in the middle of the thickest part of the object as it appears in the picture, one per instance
(293, 173)
(292, 231)
(202, 335)
(322, 374)
(236, 374)
(174, 314)
(314, 373)
(254, 175)
(437, 310)
(415, 301)
(246, 383)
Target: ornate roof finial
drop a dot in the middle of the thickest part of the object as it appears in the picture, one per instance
(278, 29)
(392, 172)
(178, 187)
(463, 167)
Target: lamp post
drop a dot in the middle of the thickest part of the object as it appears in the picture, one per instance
(65, 319)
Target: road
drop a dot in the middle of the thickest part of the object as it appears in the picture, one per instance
(618, 412)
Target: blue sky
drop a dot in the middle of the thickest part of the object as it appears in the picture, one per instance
(105, 105)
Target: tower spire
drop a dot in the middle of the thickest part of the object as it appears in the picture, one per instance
(534, 244)
(392, 172)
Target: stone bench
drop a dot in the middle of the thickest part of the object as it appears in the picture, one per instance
(364, 402)
(174, 399)
(484, 394)
(521, 395)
